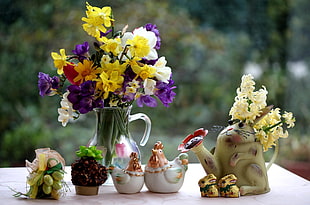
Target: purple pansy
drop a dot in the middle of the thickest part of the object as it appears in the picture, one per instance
(165, 92)
(82, 97)
(146, 100)
(153, 28)
(81, 50)
(47, 83)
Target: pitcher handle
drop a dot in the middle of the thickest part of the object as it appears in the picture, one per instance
(148, 125)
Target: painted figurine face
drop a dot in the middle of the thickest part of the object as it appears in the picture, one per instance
(237, 132)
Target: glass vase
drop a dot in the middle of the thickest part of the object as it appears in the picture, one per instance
(112, 135)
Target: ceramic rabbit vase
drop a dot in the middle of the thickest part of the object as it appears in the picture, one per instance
(236, 153)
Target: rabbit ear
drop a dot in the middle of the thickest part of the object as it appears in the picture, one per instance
(264, 112)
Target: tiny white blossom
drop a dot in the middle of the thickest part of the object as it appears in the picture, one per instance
(66, 111)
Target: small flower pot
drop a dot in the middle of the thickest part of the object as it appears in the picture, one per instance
(86, 190)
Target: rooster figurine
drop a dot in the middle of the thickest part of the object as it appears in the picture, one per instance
(163, 176)
(131, 179)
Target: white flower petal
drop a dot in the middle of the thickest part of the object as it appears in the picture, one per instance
(149, 86)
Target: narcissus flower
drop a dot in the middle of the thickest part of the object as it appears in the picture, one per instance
(141, 43)
(60, 60)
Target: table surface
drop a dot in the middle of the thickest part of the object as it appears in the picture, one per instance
(286, 188)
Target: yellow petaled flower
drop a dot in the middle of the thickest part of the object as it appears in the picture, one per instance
(86, 71)
(97, 20)
(114, 67)
(60, 60)
(112, 46)
(139, 46)
(109, 83)
(104, 14)
(92, 29)
(144, 71)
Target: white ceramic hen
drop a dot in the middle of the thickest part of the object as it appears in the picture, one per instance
(131, 179)
(165, 176)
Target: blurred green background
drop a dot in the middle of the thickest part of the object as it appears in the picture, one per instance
(209, 44)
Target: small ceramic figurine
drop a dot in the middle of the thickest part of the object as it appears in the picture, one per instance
(131, 179)
(208, 186)
(165, 176)
(228, 187)
(236, 152)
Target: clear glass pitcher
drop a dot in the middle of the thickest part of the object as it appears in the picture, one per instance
(112, 134)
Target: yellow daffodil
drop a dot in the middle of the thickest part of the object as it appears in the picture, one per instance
(97, 20)
(112, 46)
(60, 60)
(109, 83)
(92, 29)
(104, 14)
(114, 67)
(138, 46)
(144, 71)
(86, 71)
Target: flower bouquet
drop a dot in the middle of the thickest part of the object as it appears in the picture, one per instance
(122, 67)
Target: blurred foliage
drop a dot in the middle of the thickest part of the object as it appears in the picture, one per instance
(207, 43)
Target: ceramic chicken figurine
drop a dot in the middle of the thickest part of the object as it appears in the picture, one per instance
(131, 179)
(208, 186)
(236, 152)
(228, 187)
(165, 176)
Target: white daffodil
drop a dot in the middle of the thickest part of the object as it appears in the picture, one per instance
(149, 86)
(148, 35)
(163, 72)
